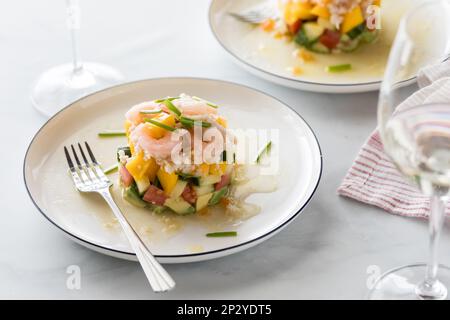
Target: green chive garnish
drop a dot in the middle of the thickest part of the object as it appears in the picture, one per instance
(155, 111)
(111, 169)
(222, 234)
(188, 122)
(264, 151)
(112, 133)
(213, 105)
(172, 107)
(159, 124)
(168, 98)
(339, 68)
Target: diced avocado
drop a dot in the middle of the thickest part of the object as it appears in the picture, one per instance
(319, 48)
(131, 194)
(217, 196)
(209, 179)
(178, 189)
(199, 191)
(202, 201)
(142, 185)
(356, 31)
(313, 31)
(180, 206)
(347, 44)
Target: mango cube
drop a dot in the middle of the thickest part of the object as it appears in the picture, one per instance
(167, 180)
(141, 168)
(352, 19)
(158, 132)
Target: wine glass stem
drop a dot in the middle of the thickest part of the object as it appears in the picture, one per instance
(431, 288)
(73, 23)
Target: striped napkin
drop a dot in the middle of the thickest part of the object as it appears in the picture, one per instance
(374, 179)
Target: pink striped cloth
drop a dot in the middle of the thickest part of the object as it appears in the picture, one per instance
(374, 179)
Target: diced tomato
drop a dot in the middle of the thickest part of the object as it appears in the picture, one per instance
(330, 39)
(224, 181)
(294, 27)
(189, 195)
(125, 177)
(155, 195)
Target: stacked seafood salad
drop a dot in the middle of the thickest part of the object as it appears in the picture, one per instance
(327, 26)
(179, 157)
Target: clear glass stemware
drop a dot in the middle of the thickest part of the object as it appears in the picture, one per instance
(63, 84)
(416, 135)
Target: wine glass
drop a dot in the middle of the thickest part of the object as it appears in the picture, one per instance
(63, 84)
(415, 131)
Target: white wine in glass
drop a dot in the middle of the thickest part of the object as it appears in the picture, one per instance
(416, 135)
(63, 84)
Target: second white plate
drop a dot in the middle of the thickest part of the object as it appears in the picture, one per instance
(272, 59)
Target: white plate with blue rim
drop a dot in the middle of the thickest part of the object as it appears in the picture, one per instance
(86, 219)
(272, 59)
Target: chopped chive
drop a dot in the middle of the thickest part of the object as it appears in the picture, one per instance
(222, 234)
(156, 111)
(188, 122)
(213, 105)
(339, 68)
(112, 133)
(168, 98)
(111, 169)
(159, 124)
(264, 151)
(172, 107)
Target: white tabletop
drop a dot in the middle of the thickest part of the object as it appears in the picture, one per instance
(324, 254)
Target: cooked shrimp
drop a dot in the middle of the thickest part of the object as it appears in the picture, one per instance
(156, 148)
(190, 106)
(135, 116)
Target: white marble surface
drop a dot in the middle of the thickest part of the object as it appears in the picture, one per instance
(323, 254)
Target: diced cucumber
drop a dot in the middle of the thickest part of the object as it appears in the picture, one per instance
(178, 189)
(200, 191)
(209, 179)
(325, 23)
(217, 196)
(142, 185)
(369, 36)
(131, 194)
(189, 178)
(319, 48)
(348, 45)
(301, 38)
(356, 31)
(157, 209)
(179, 206)
(312, 31)
(202, 201)
(126, 150)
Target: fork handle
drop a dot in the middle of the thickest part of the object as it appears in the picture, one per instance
(158, 277)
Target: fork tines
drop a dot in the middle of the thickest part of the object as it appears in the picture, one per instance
(87, 172)
(255, 15)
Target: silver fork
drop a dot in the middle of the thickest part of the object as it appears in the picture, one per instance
(89, 177)
(256, 15)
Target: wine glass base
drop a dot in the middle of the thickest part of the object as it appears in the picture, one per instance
(61, 85)
(403, 284)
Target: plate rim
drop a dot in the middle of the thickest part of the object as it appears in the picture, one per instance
(205, 253)
(359, 85)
